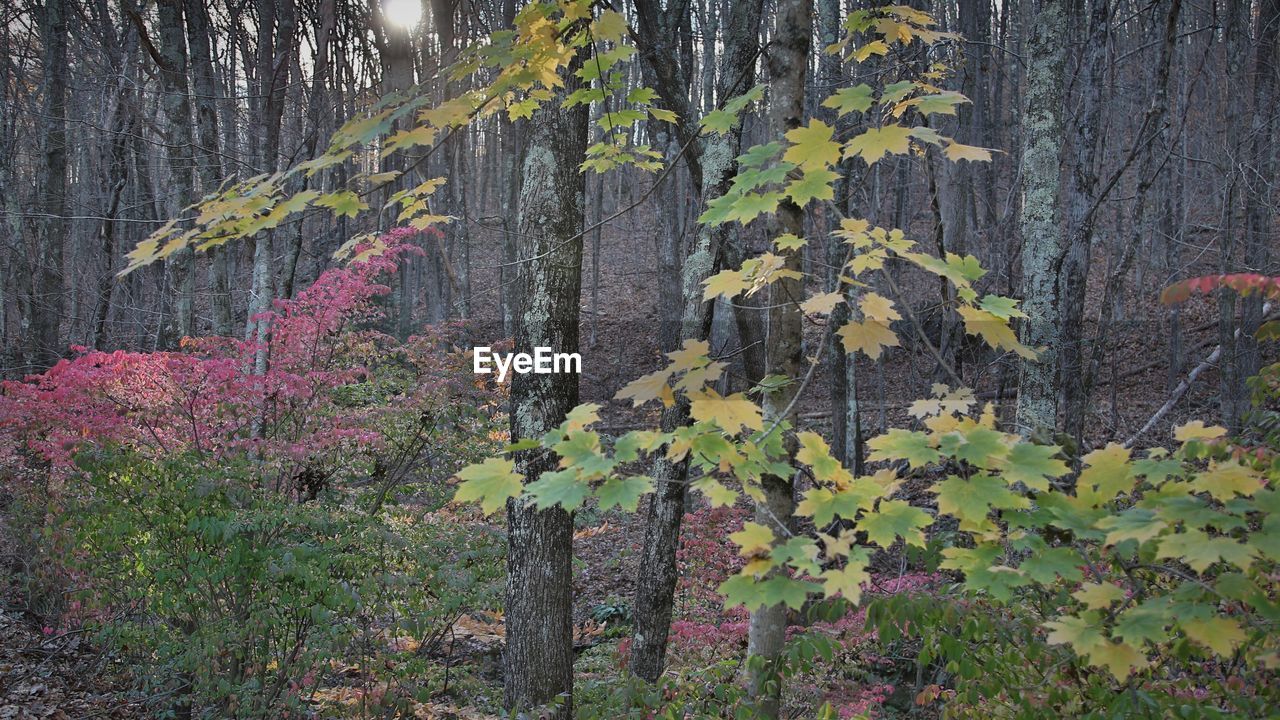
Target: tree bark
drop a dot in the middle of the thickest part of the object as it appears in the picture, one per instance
(539, 654)
(1042, 242)
(658, 573)
(787, 61)
(43, 309)
(179, 268)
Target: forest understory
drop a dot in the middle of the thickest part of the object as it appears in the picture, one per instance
(929, 361)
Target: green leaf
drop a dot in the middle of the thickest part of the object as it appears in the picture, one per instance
(895, 519)
(875, 143)
(971, 500)
(1144, 623)
(559, 487)
(491, 482)
(815, 184)
(812, 146)
(342, 202)
(1198, 551)
(1139, 524)
(1098, 596)
(1033, 465)
(906, 445)
(1082, 633)
(1044, 565)
(850, 99)
(623, 492)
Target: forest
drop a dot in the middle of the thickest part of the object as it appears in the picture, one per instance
(648, 359)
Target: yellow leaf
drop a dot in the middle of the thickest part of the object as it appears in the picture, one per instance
(956, 152)
(871, 337)
(729, 283)
(875, 143)
(752, 538)
(645, 388)
(692, 354)
(1196, 430)
(1219, 634)
(995, 331)
(821, 304)
(1097, 596)
(878, 307)
(731, 413)
(1120, 659)
(812, 146)
(1226, 480)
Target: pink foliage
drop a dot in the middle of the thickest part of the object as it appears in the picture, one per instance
(207, 399)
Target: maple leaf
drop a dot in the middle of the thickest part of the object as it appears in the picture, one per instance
(898, 444)
(971, 500)
(1083, 633)
(815, 453)
(559, 487)
(847, 581)
(491, 482)
(1219, 634)
(1224, 481)
(875, 47)
(1097, 596)
(1002, 307)
(815, 184)
(1139, 524)
(752, 538)
(726, 283)
(822, 303)
(1140, 624)
(850, 99)
(645, 388)
(894, 519)
(1199, 551)
(870, 337)
(1044, 565)
(342, 202)
(1120, 659)
(877, 307)
(812, 146)
(731, 413)
(957, 151)
(623, 492)
(1033, 465)
(875, 143)
(994, 330)
(788, 241)
(1107, 474)
(718, 494)
(1197, 430)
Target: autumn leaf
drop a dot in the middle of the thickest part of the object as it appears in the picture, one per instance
(491, 482)
(812, 147)
(869, 337)
(732, 413)
(875, 143)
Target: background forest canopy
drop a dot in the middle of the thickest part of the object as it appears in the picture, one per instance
(953, 319)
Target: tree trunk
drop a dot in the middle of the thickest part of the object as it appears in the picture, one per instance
(539, 654)
(787, 61)
(179, 268)
(1081, 206)
(43, 310)
(658, 573)
(1042, 246)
